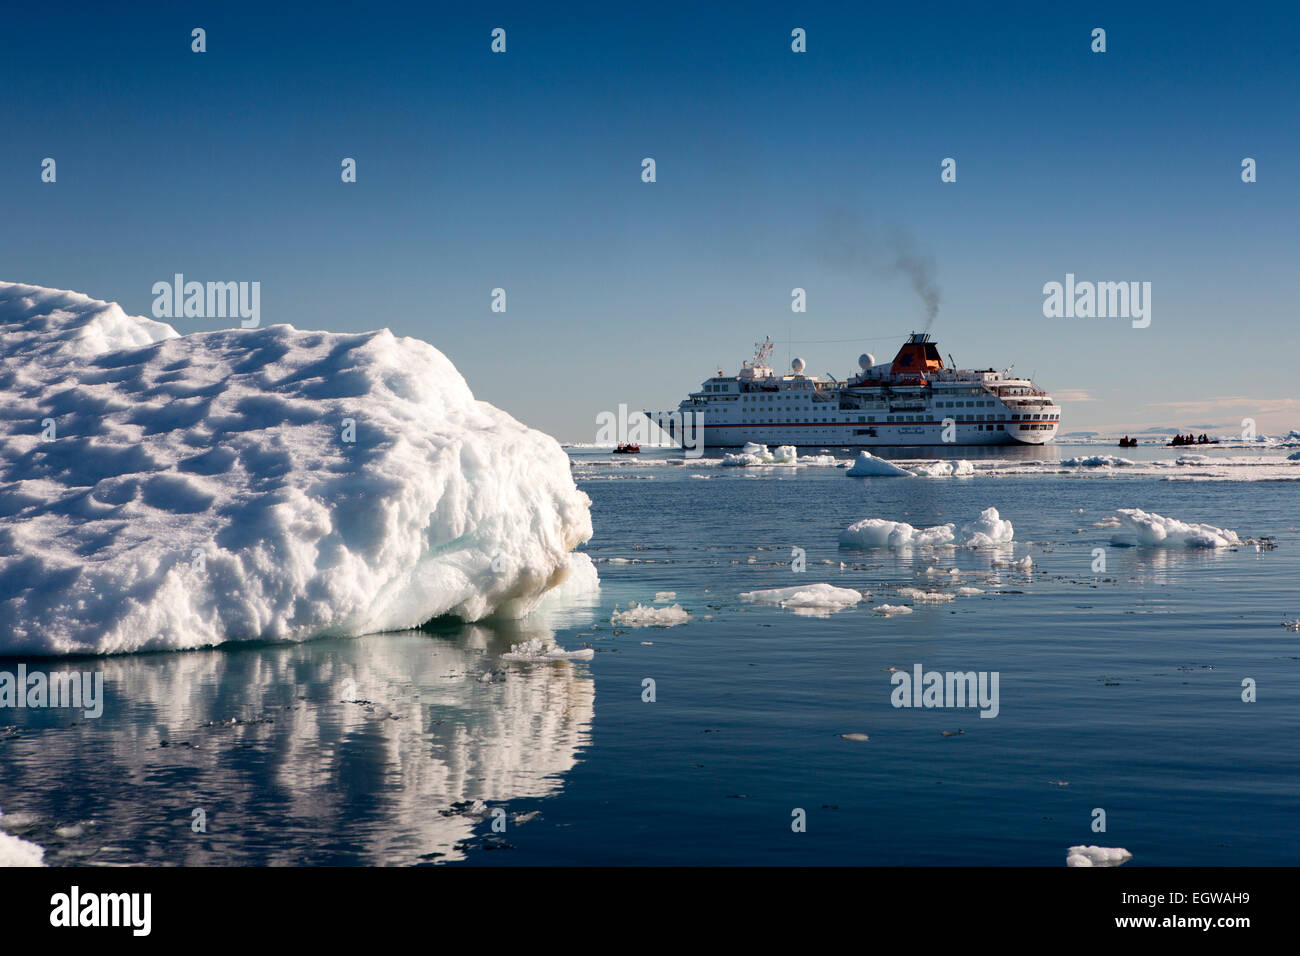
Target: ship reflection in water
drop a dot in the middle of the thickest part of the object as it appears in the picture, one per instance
(387, 749)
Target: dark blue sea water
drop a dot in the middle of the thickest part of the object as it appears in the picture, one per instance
(1119, 690)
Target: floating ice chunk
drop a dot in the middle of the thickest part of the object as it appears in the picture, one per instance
(813, 596)
(663, 597)
(891, 609)
(264, 483)
(925, 597)
(1095, 461)
(639, 615)
(943, 469)
(969, 592)
(1152, 530)
(869, 466)
(755, 454)
(535, 651)
(988, 530)
(1096, 856)
(16, 852)
(1108, 522)
(882, 533)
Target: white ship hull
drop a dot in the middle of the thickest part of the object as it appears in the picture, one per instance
(913, 401)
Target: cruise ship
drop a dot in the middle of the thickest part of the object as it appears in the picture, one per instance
(913, 400)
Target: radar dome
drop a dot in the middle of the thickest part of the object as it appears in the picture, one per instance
(797, 365)
(866, 360)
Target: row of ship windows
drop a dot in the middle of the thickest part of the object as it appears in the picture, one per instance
(925, 418)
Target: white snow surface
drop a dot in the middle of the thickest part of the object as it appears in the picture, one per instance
(819, 596)
(1096, 856)
(869, 466)
(1152, 530)
(883, 533)
(198, 489)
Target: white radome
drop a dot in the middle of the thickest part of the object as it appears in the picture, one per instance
(798, 366)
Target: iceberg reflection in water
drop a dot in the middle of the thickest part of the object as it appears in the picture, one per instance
(366, 751)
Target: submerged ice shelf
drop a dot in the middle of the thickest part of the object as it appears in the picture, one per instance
(166, 491)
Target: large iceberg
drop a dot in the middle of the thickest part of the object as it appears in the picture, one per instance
(167, 491)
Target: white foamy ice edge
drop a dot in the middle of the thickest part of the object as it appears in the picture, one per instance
(889, 610)
(17, 852)
(989, 530)
(1148, 529)
(814, 596)
(199, 488)
(1096, 856)
(640, 615)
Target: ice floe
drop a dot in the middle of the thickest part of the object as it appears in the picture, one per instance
(1096, 856)
(942, 469)
(640, 615)
(883, 533)
(889, 610)
(537, 651)
(1095, 461)
(988, 530)
(819, 596)
(1148, 529)
(925, 597)
(163, 491)
(869, 466)
(755, 454)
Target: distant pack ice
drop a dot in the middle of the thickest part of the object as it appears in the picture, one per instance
(166, 491)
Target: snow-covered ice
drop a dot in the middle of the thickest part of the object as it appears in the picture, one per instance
(640, 615)
(819, 596)
(1096, 856)
(1152, 530)
(883, 533)
(889, 610)
(163, 491)
(869, 466)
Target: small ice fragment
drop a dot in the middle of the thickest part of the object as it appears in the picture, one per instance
(855, 737)
(663, 597)
(891, 609)
(1096, 856)
(639, 615)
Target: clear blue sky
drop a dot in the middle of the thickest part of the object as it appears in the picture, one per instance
(522, 170)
